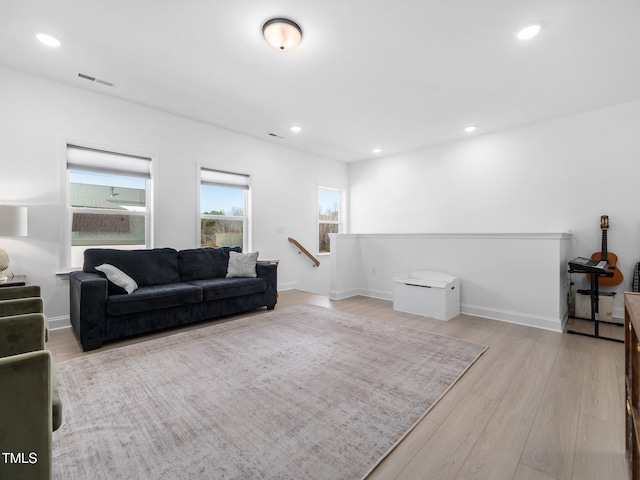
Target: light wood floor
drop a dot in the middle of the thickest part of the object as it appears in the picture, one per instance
(537, 405)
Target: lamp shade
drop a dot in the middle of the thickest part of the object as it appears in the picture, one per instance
(282, 34)
(13, 221)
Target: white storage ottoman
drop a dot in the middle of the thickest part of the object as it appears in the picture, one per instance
(429, 294)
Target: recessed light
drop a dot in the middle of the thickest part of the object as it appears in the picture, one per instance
(296, 129)
(471, 128)
(528, 32)
(48, 40)
(377, 150)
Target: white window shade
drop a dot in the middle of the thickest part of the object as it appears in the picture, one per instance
(98, 161)
(218, 178)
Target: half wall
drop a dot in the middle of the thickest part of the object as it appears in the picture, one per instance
(513, 277)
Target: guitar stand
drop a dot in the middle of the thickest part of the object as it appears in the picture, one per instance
(595, 299)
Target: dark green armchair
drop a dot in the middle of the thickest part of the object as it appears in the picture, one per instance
(30, 407)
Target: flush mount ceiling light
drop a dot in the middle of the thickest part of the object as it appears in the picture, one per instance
(296, 129)
(377, 150)
(282, 34)
(528, 32)
(48, 40)
(471, 128)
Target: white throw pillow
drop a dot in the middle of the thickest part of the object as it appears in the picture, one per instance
(118, 277)
(242, 264)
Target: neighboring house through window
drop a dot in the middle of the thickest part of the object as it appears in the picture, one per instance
(329, 216)
(224, 202)
(108, 204)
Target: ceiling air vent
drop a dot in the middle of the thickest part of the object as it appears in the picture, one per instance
(96, 80)
(275, 135)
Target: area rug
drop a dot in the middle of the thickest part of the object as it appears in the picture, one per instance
(298, 393)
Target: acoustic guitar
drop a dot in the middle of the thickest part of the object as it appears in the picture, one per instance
(617, 277)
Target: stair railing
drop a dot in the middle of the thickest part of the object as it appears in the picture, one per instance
(301, 249)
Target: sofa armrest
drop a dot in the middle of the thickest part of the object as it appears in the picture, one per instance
(269, 271)
(87, 308)
(26, 420)
(22, 334)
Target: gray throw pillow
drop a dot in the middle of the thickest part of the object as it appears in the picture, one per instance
(242, 264)
(118, 277)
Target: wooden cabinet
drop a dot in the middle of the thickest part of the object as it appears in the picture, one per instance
(632, 381)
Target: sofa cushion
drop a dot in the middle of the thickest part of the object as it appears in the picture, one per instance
(204, 263)
(219, 288)
(154, 297)
(147, 267)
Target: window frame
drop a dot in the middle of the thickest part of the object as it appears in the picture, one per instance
(70, 165)
(246, 187)
(341, 219)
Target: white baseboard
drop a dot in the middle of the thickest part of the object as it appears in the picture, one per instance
(537, 321)
(341, 295)
(287, 286)
(382, 295)
(56, 323)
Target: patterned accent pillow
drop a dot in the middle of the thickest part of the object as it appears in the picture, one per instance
(242, 264)
(118, 277)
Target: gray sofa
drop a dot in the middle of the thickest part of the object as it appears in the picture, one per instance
(173, 288)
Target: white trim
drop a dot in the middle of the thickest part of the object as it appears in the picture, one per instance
(58, 323)
(519, 318)
(287, 286)
(354, 292)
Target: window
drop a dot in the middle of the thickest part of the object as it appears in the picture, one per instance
(329, 216)
(223, 209)
(108, 201)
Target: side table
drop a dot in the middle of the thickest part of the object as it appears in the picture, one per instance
(14, 281)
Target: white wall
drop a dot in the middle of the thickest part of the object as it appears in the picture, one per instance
(38, 116)
(554, 176)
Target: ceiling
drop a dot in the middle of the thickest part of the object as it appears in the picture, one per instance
(369, 73)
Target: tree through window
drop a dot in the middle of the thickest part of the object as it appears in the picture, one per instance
(329, 216)
(223, 209)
